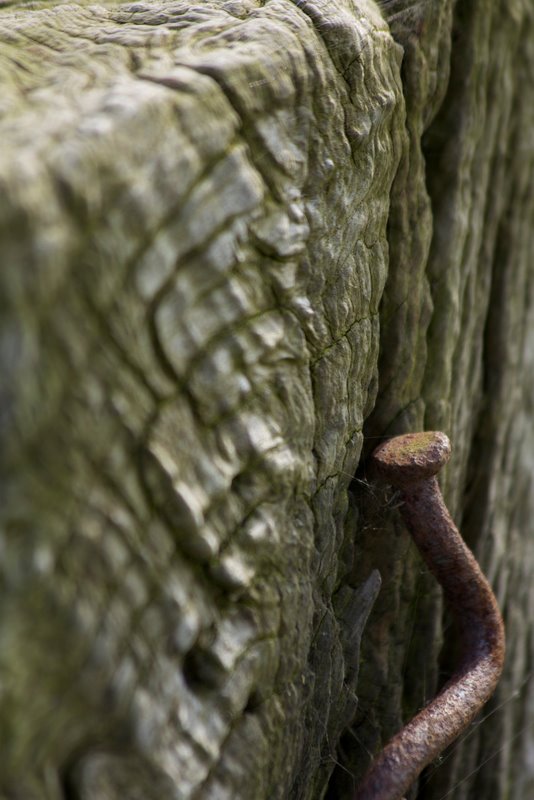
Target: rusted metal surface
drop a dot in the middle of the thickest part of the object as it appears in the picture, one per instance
(410, 464)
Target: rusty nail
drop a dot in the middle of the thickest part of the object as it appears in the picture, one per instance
(410, 464)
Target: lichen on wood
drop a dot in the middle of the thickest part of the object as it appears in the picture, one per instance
(193, 232)
(237, 238)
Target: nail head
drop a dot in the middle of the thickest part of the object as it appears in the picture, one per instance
(411, 457)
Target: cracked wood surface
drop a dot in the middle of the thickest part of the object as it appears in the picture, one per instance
(235, 236)
(193, 227)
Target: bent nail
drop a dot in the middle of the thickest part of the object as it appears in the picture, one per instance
(410, 464)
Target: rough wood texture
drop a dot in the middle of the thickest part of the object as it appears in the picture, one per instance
(457, 348)
(202, 208)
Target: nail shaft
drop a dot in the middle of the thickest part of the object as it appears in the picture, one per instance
(410, 463)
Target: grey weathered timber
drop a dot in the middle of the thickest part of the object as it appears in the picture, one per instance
(240, 242)
(457, 354)
(193, 230)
